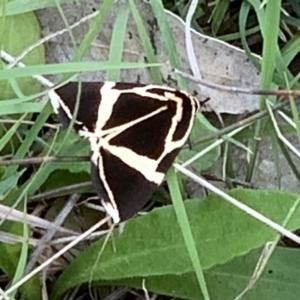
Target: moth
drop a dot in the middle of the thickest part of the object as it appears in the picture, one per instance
(135, 132)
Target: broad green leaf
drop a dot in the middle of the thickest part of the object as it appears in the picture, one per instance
(152, 245)
(21, 6)
(12, 32)
(280, 280)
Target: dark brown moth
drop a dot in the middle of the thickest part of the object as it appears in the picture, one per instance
(135, 132)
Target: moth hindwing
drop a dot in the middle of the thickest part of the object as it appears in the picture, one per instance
(135, 132)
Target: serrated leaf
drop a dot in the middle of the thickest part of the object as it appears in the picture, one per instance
(152, 245)
(280, 280)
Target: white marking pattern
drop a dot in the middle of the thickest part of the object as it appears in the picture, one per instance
(144, 165)
(100, 139)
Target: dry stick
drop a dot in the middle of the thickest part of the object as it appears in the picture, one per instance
(41, 79)
(49, 234)
(93, 236)
(34, 221)
(236, 181)
(60, 190)
(9, 238)
(211, 146)
(13, 121)
(232, 89)
(286, 118)
(279, 134)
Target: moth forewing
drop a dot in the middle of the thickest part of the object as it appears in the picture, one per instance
(114, 131)
(135, 133)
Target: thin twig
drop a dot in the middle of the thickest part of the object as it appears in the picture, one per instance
(54, 257)
(41, 79)
(13, 121)
(10, 238)
(61, 190)
(236, 90)
(15, 215)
